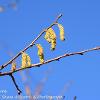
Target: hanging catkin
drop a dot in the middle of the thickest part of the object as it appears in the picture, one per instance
(61, 28)
(50, 36)
(47, 36)
(13, 68)
(40, 53)
(26, 61)
(53, 44)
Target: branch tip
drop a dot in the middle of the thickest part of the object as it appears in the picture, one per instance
(13, 79)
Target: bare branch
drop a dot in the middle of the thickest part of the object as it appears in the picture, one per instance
(13, 79)
(51, 60)
(31, 44)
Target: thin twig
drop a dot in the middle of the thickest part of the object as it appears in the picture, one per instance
(31, 44)
(51, 60)
(13, 79)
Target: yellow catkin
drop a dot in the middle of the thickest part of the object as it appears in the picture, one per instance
(50, 36)
(61, 28)
(24, 56)
(26, 60)
(13, 68)
(40, 53)
(47, 36)
(53, 44)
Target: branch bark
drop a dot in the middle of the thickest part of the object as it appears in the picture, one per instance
(51, 60)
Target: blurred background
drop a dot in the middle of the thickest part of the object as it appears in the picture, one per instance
(22, 20)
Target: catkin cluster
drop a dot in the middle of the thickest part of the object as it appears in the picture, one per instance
(40, 53)
(50, 36)
(26, 61)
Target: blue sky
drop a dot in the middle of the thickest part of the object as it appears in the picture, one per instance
(81, 20)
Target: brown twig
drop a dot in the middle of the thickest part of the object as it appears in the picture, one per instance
(51, 60)
(31, 44)
(13, 79)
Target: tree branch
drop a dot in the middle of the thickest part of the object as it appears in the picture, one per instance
(51, 60)
(31, 44)
(38, 64)
(13, 79)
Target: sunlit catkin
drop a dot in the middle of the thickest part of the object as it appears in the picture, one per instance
(47, 36)
(53, 44)
(13, 68)
(26, 60)
(50, 36)
(61, 28)
(40, 53)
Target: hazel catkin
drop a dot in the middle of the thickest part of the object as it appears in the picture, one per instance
(26, 60)
(40, 53)
(61, 28)
(50, 36)
(13, 68)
